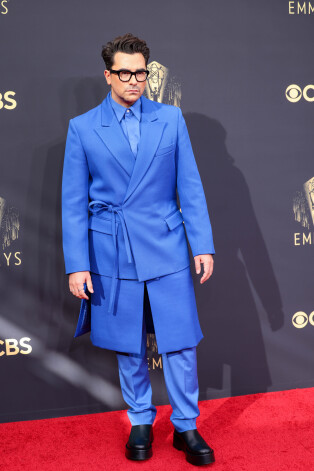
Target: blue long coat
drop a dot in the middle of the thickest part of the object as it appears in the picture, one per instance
(121, 221)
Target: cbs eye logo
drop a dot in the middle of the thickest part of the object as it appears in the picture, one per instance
(300, 319)
(294, 93)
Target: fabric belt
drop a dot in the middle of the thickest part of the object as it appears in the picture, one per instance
(114, 210)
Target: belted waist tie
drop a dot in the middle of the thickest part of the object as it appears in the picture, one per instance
(114, 210)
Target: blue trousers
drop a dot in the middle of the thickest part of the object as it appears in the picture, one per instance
(180, 373)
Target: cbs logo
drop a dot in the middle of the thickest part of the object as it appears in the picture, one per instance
(4, 9)
(6, 98)
(294, 93)
(13, 347)
(300, 319)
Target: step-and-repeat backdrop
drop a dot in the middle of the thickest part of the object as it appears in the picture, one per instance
(242, 73)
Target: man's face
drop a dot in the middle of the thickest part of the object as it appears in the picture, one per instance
(126, 93)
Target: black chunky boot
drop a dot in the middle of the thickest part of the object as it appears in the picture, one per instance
(196, 450)
(139, 446)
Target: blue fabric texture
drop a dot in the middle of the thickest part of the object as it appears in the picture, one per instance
(99, 165)
(173, 308)
(129, 119)
(180, 373)
(120, 217)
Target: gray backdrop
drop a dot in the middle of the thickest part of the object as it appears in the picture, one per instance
(231, 63)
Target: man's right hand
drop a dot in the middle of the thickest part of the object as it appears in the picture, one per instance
(76, 284)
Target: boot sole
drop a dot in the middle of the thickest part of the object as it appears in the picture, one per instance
(137, 454)
(196, 459)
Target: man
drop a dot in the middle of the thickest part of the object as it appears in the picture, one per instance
(123, 235)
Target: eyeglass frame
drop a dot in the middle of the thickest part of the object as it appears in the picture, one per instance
(117, 72)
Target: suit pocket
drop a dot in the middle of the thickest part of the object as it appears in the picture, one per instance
(174, 219)
(101, 225)
(165, 150)
(101, 248)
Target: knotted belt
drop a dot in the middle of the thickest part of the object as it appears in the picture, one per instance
(114, 210)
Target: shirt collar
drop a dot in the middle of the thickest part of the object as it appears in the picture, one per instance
(120, 110)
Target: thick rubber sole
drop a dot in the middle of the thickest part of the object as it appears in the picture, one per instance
(138, 454)
(196, 459)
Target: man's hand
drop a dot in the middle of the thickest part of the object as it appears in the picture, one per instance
(76, 283)
(208, 261)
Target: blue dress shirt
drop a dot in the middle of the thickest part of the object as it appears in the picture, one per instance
(129, 119)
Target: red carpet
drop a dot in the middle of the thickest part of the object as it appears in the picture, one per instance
(270, 431)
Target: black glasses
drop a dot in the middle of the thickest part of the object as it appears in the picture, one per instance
(125, 75)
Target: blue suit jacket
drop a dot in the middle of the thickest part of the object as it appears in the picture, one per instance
(119, 213)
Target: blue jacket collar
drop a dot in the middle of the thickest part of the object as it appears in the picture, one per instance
(148, 112)
(120, 110)
(114, 138)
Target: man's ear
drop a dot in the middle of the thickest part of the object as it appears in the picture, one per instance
(107, 77)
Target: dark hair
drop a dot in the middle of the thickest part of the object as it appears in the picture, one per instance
(126, 43)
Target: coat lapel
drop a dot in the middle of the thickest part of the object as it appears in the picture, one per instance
(113, 136)
(151, 132)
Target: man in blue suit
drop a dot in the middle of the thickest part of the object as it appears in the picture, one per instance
(123, 235)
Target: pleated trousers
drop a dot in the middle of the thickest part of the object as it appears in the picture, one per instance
(180, 373)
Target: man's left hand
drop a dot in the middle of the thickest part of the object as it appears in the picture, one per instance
(208, 265)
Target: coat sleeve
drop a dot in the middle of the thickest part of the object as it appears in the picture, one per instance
(75, 204)
(191, 194)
